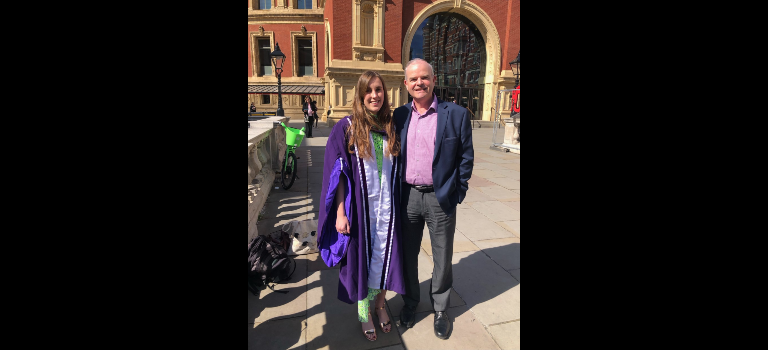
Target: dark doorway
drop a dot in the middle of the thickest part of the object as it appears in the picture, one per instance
(455, 48)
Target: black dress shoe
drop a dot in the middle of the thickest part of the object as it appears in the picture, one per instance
(442, 325)
(407, 317)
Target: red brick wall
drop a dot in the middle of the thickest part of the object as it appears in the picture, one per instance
(341, 29)
(393, 30)
(512, 42)
(283, 38)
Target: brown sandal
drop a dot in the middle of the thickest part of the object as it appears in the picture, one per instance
(370, 331)
(388, 323)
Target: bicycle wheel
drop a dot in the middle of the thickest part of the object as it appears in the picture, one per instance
(288, 176)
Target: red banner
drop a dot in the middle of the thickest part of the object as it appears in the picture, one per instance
(516, 100)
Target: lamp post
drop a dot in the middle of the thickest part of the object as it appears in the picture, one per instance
(278, 58)
(516, 62)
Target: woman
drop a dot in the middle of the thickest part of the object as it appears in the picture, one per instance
(313, 103)
(358, 221)
(308, 116)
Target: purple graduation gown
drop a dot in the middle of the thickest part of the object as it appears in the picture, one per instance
(354, 252)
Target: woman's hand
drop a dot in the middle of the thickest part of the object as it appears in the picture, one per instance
(342, 224)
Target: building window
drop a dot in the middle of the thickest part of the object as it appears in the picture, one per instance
(265, 99)
(366, 37)
(265, 62)
(304, 4)
(265, 4)
(305, 56)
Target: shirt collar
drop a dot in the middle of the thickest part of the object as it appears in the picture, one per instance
(433, 106)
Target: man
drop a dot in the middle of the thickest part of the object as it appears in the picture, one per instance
(437, 155)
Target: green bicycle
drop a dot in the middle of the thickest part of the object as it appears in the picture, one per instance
(293, 138)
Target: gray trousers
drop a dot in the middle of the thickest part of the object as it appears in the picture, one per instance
(417, 209)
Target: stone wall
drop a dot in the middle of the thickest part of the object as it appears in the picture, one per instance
(266, 148)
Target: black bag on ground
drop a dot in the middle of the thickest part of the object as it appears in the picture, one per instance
(268, 262)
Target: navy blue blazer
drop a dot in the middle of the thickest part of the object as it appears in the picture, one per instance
(454, 155)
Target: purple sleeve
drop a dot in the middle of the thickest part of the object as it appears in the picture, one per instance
(332, 244)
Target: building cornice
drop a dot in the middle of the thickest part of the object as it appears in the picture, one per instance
(294, 16)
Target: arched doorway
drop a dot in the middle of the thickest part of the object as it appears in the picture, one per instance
(478, 22)
(454, 47)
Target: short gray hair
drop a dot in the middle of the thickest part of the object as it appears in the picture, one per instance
(415, 60)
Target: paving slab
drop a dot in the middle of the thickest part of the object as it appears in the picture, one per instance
(271, 305)
(491, 293)
(467, 333)
(269, 225)
(513, 166)
(515, 274)
(512, 174)
(283, 196)
(507, 335)
(395, 301)
(278, 334)
(460, 242)
(486, 174)
(477, 226)
(475, 194)
(291, 204)
(512, 226)
(496, 211)
(316, 263)
(314, 198)
(504, 251)
(493, 166)
(510, 184)
(513, 204)
(333, 324)
(500, 193)
(501, 159)
(299, 185)
(479, 181)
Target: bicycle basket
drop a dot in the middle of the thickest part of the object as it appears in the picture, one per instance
(293, 137)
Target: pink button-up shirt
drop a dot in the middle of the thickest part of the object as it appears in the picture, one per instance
(420, 150)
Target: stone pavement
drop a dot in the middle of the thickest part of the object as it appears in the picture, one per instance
(485, 301)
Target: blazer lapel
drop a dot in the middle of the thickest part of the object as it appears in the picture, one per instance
(404, 136)
(442, 120)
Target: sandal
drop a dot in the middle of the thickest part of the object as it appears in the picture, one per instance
(370, 331)
(388, 323)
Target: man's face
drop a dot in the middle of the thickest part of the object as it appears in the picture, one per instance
(419, 82)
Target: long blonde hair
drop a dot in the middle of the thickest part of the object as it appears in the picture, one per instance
(363, 122)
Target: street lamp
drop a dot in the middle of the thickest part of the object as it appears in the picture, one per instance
(516, 62)
(278, 58)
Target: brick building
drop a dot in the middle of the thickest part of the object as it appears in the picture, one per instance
(329, 43)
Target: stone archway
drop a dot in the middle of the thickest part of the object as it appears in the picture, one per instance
(486, 28)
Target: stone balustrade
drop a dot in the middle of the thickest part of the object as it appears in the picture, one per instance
(266, 149)
(512, 133)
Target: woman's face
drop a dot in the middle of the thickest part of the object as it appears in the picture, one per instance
(374, 96)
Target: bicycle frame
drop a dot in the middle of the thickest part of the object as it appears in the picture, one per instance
(290, 148)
